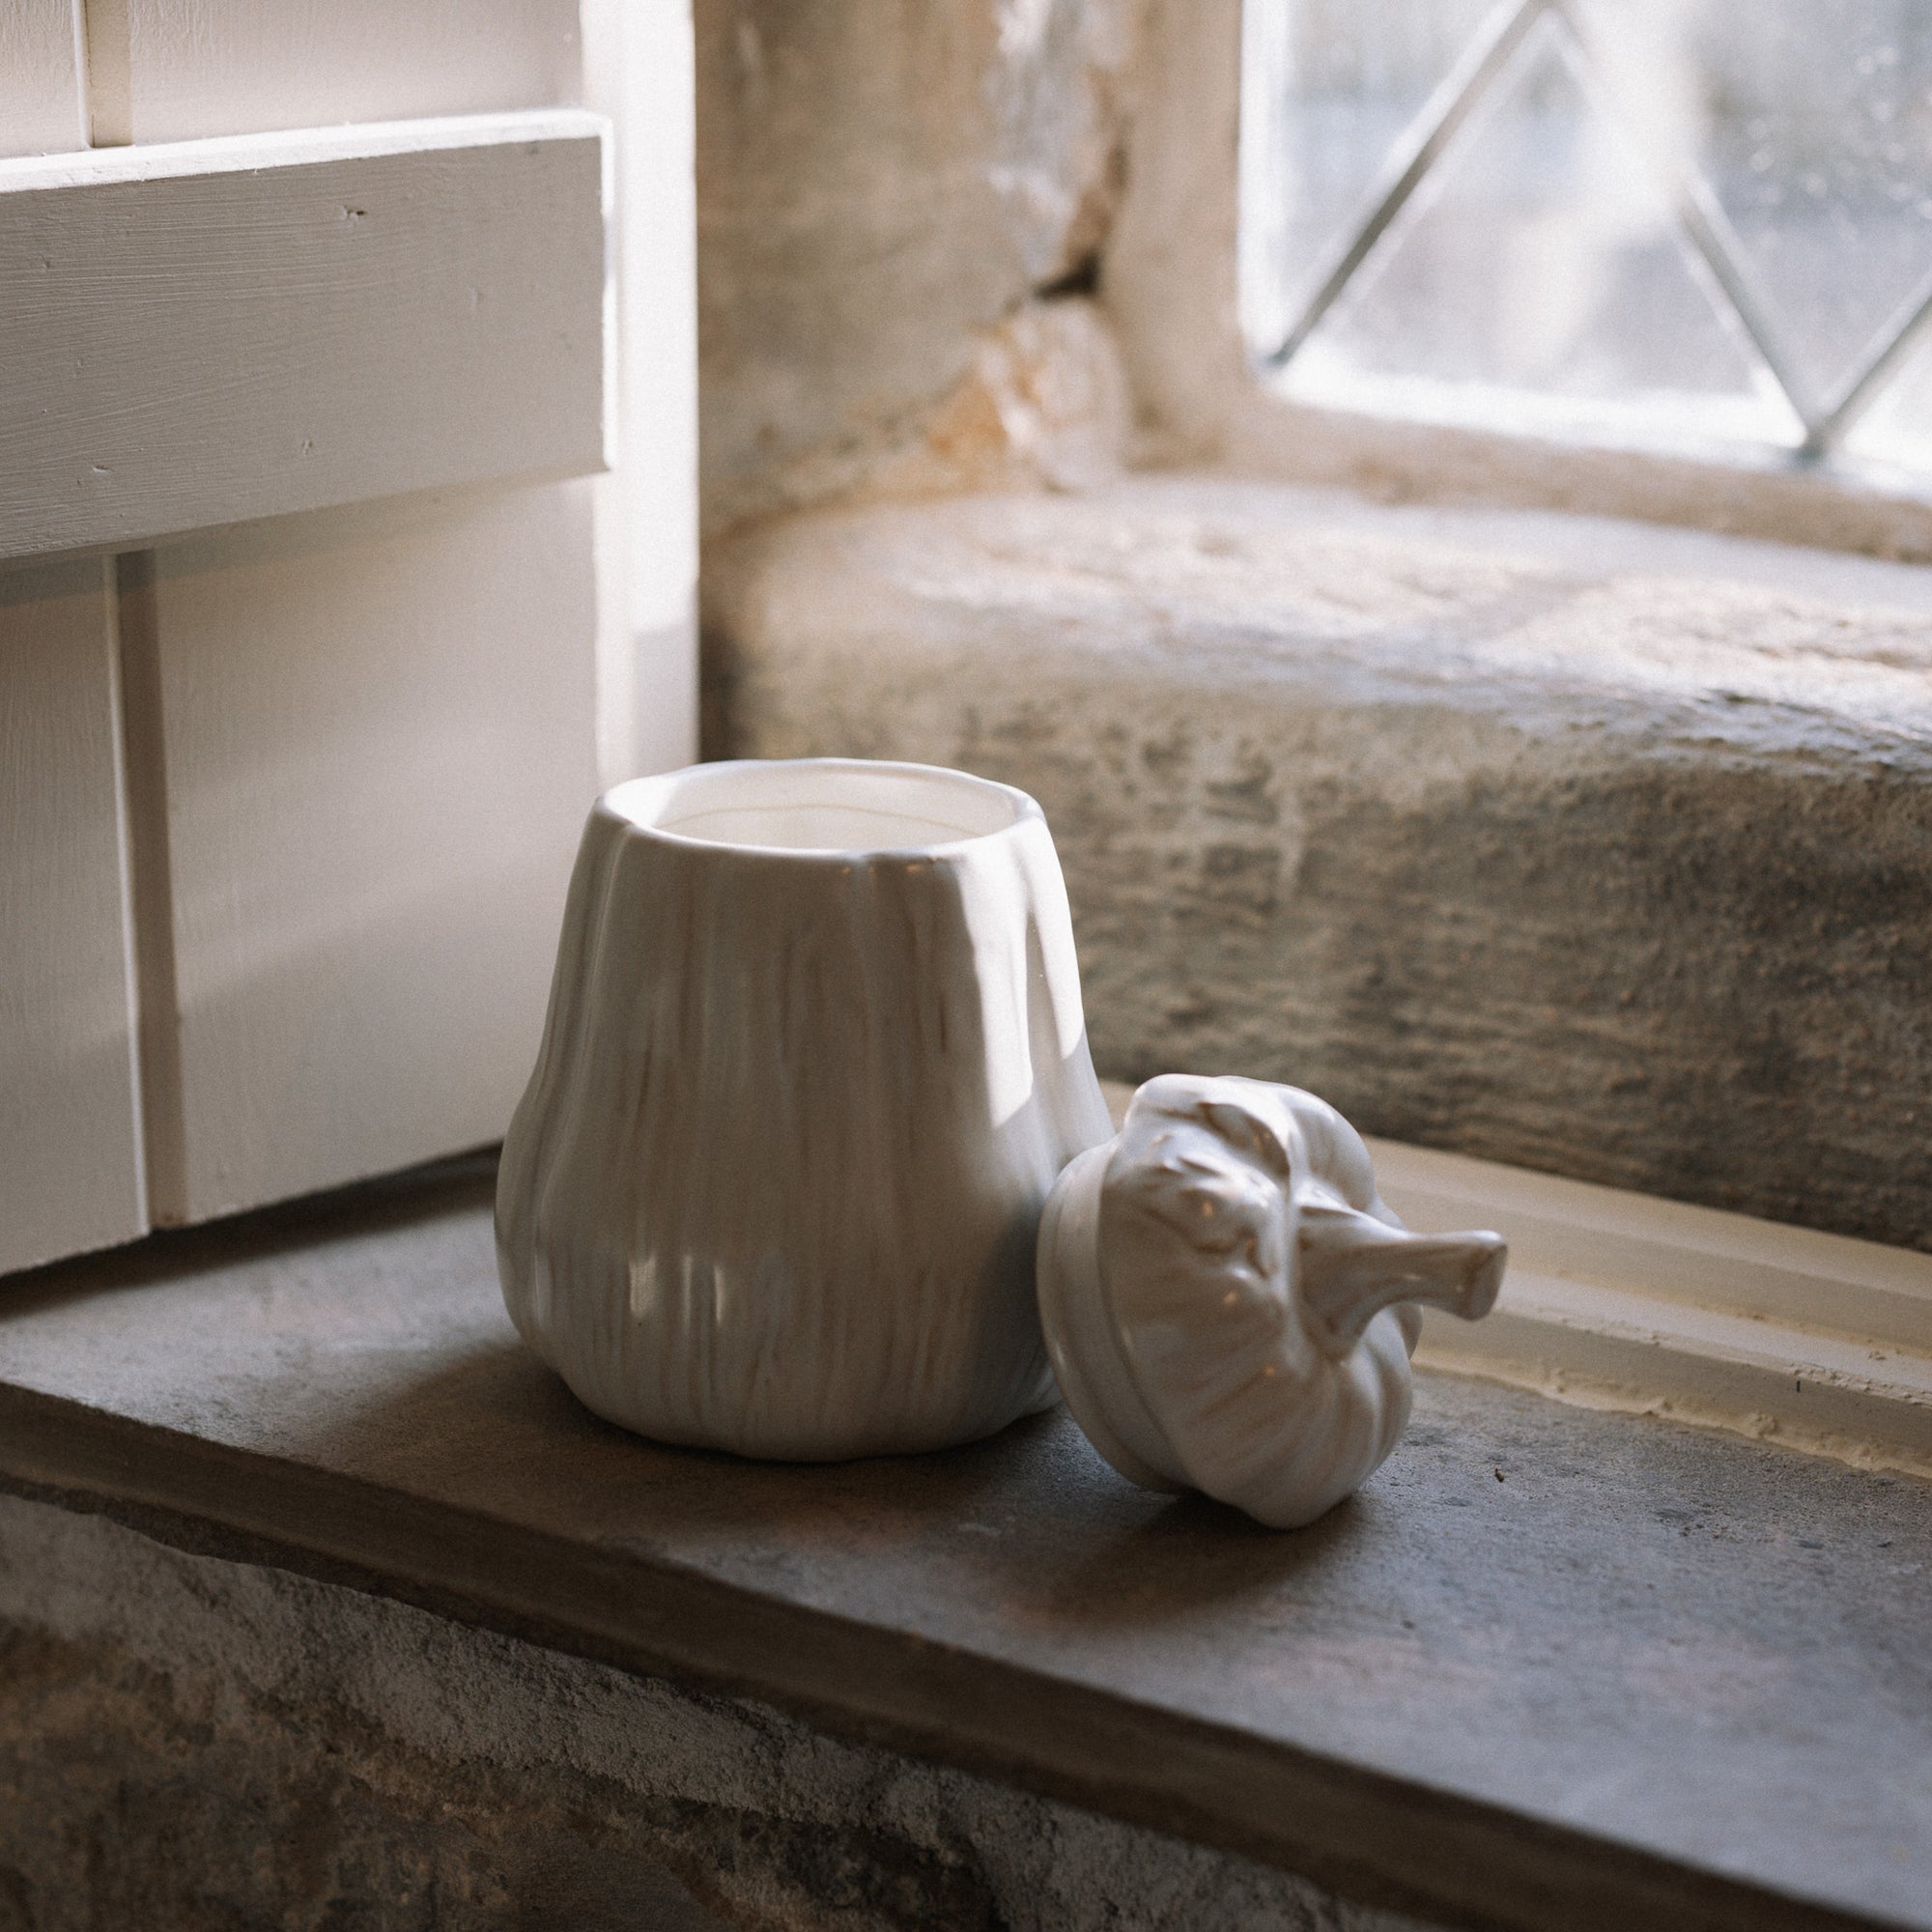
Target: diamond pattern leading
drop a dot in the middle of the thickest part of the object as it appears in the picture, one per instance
(1332, 90)
(1816, 137)
(1798, 331)
(1542, 264)
(1448, 109)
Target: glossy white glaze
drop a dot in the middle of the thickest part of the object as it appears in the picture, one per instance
(1231, 1306)
(814, 1057)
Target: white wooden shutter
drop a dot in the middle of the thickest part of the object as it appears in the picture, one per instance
(316, 607)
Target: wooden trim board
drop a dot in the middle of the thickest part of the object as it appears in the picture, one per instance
(69, 1167)
(1628, 1302)
(40, 105)
(207, 332)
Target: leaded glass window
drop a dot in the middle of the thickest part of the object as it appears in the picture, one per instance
(1653, 221)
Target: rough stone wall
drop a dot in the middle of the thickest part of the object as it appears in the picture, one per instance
(188, 1744)
(901, 204)
(1559, 850)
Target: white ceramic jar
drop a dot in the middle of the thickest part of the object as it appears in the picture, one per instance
(814, 1057)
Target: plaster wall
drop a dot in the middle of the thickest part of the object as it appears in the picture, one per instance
(901, 208)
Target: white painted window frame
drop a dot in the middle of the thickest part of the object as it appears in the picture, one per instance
(1614, 1300)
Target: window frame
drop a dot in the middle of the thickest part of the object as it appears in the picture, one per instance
(1171, 290)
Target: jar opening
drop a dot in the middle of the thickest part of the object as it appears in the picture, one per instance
(820, 804)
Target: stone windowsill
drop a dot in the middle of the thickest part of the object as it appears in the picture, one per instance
(1587, 846)
(1549, 1668)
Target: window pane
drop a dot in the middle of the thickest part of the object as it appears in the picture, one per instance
(1817, 126)
(1542, 258)
(1898, 430)
(1330, 89)
(1645, 210)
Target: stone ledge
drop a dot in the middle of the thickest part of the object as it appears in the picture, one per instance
(1548, 1668)
(1584, 846)
(192, 1743)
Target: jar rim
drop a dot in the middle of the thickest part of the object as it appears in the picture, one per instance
(819, 808)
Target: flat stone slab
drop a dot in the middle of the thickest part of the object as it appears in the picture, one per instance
(1585, 846)
(1550, 1667)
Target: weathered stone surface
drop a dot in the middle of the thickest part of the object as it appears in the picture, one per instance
(1043, 405)
(1584, 846)
(188, 1744)
(1548, 1669)
(880, 184)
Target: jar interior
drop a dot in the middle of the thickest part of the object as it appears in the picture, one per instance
(821, 806)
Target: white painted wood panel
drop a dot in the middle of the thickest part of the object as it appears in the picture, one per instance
(41, 107)
(227, 66)
(638, 71)
(379, 745)
(240, 327)
(70, 1162)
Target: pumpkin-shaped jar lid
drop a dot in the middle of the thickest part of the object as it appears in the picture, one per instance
(1229, 1305)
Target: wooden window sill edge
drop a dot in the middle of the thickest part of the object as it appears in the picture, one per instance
(1625, 1302)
